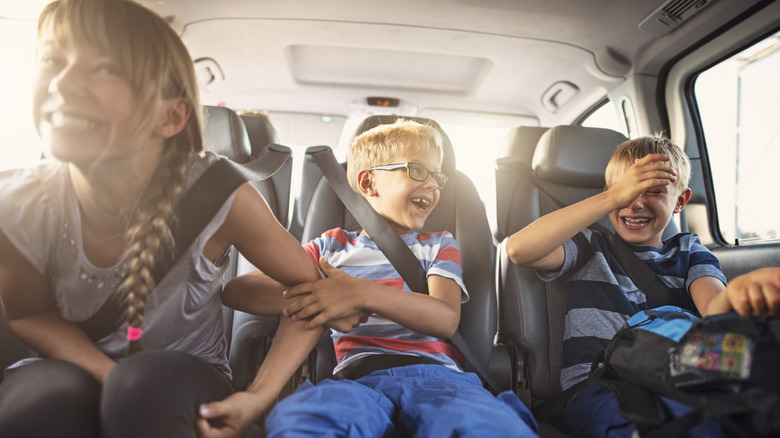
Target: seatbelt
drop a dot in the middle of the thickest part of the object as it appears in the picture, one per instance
(397, 252)
(641, 274)
(195, 210)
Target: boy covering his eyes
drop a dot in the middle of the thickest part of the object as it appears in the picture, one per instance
(647, 183)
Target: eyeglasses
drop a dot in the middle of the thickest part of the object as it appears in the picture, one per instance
(417, 172)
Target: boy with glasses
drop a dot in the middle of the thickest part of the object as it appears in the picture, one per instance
(397, 373)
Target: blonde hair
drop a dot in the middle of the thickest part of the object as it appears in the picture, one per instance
(157, 65)
(380, 145)
(628, 152)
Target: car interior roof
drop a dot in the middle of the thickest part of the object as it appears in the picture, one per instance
(548, 60)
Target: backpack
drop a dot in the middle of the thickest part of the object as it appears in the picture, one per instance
(724, 367)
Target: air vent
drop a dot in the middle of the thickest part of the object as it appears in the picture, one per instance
(671, 15)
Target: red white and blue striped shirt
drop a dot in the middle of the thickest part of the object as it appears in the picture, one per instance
(358, 256)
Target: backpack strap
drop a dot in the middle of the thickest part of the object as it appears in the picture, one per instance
(195, 210)
(397, 252)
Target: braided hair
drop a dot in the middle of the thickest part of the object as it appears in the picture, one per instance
(157, 65)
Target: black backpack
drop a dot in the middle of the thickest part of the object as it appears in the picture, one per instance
(723, 366)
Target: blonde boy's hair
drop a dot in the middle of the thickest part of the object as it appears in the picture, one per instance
(380, 145)
(628, 152)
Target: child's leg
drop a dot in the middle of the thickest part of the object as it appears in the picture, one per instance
(436, 401)
(593, 412)
(157, 393)
(49, 398)
(332, 408)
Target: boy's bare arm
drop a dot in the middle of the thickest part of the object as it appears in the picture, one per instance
(259, 294)
(708, 296)
(539, 245)
(435, 314)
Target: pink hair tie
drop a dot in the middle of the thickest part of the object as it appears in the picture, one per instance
(133, 334)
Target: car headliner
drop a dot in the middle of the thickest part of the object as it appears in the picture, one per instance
(543, 61)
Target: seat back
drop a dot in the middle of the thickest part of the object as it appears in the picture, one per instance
(276, 189)
(569, 163)
(518, 144)
(226, 134)
(461, 212)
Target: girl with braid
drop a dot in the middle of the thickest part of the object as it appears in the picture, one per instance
(117, 107)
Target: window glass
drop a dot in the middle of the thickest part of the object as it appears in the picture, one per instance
(739, 102)
(605, 116)
(476, 149)
(20, 146)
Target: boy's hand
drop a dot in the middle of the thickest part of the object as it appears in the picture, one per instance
(756, 293)
(334, 299)
(648, 172)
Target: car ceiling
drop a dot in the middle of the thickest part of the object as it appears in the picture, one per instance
(504, 57)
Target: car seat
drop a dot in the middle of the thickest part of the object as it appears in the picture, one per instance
(459, 211)
(568, 163)
(226, 134)
(518, 144)
(276, 189)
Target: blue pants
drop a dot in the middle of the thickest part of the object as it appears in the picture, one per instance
(415, 400)
(593, 412)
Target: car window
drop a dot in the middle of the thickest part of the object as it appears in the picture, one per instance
(739, 101)
(20, 146)
(476, 149)
(605, 116)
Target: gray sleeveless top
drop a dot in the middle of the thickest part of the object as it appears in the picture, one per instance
(40, 215)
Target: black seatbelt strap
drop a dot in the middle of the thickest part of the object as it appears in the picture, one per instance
(397, 252)
(195, 210)
(641, 274)
(376, 226)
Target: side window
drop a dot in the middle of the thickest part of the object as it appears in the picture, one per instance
(20, 146)
(739, 102)
(605, 117)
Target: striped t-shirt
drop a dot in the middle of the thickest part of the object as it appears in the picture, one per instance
(358, 256)
(601, 297)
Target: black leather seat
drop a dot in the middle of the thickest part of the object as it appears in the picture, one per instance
(518, 144)
(226, 134)
(276, 189)
(461, 212)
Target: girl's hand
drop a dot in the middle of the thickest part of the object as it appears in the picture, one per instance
(230, 417)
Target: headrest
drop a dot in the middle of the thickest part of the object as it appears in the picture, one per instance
(261, 132)
(575, 155)
(520, 143)
(225, 134)
(448, 161)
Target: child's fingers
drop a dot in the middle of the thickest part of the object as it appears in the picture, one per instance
(295, 307)
(307, 311)
(757, 302)
(771, 295)
(327, 268)
(301, 289)
(652, 158)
